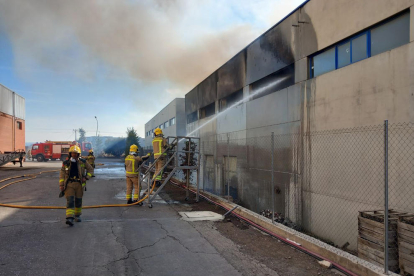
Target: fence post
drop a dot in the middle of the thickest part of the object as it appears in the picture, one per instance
(228, 167)
(273, 182)
(386, 197)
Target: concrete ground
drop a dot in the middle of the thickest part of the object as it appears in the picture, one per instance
(111, 241)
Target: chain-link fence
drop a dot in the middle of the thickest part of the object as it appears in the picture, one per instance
(328, 184)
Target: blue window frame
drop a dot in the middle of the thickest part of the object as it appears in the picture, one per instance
(387, 35)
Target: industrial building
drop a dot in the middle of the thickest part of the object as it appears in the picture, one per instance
(171, 119)
(328, 65)
(12, 121)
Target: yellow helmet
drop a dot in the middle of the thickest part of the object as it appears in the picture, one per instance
(75, 149)
(133, 148)
(158, 131)
(91, 151)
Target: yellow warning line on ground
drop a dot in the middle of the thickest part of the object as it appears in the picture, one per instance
(33, 176)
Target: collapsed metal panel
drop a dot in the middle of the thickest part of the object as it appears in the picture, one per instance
(274, 82)
(271, 51)
(232, 75)
(191, 101)
(207, 91)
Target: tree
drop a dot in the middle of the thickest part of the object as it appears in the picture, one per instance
(82, 137)
(132, 138)
(115, 146)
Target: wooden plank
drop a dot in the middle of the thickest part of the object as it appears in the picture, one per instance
(407, 266)
(378, 238)
(370, 244)
(405, 235)
(376, 249)
(371, 225)
(407, 257)
(365, 256)
(376, 259)
(406, 245)
(406, 226)
(376, 224)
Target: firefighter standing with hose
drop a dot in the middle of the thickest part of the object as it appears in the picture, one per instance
(132, 163)
(73, 175)
(159, 144)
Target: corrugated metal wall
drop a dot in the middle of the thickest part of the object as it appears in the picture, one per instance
(6, 103)
(19, 103)
(6, 100)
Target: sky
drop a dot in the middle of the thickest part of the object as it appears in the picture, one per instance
(119, 60)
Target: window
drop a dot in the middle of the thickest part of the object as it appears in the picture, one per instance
(35, 147)
(383, 37)
(19, 125)
(166, 124)
(359, 47)
(324, 62)
(192, 117)
(88, 146)
(161, 126)
(230, 100)
(391, 34)
(208, 110)
(344, 54)
(172, 121)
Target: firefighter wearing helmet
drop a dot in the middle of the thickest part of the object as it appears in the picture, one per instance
(73, 175)
(159, 144)
(132, 162)
(91, 160)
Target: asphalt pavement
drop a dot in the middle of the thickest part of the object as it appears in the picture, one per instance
(109, 241)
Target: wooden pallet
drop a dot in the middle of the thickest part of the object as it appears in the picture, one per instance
(371, 238)
(406, 244)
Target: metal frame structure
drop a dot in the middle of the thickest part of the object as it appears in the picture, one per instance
(173, 150)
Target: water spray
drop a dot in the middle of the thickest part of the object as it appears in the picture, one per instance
(257, 92)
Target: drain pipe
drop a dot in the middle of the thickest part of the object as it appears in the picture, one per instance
(284, 240)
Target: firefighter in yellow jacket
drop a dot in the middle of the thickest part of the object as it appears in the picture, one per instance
(73, 175)
(132, 162)
(91, 160)
(159, 144)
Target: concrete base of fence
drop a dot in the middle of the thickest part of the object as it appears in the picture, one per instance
(330, 253)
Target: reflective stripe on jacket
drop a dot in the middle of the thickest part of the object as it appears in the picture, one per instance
(159, 143)
(131, 165)
(82, 167)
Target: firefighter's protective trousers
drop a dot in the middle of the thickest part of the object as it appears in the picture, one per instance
(131, 167)
(158, 168)
(159, 144)
(132, 184)
(73, 194)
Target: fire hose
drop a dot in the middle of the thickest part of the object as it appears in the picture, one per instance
(33, 176)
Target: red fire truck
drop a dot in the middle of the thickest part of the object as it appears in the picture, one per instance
(53, 150)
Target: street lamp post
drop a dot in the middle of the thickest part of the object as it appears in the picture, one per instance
(96, 126)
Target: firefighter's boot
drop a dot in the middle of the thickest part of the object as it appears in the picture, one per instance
(129, 201)
(78, 219)
(69, 221)
(158, 183)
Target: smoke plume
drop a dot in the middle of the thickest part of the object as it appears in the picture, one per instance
(146, 39)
